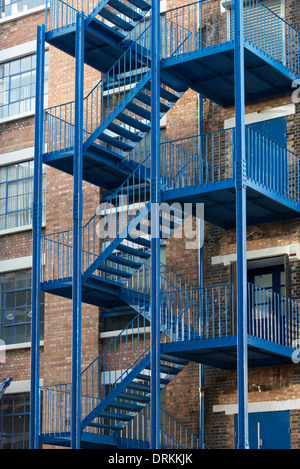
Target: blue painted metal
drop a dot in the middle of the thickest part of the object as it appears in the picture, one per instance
(243, 432)
(77, 240)
(36, 249)
(201, 281)
(155, 225)
(99, 138)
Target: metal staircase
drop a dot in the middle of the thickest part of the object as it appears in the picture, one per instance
(106, 261)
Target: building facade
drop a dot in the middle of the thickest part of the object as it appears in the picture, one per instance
(199, 278)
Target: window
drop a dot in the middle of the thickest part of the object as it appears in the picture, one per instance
(15, 415)
(16, 194)
(15, 307)
(17, 85)
(13, 7)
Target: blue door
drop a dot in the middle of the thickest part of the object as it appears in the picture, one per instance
(269, 430)
(266, 155)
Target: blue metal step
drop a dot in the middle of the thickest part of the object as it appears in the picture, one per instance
(134, 252)
(140, 111)
(115, 19)
(125, 9)
(172, 359)
(105, 427)
(126, 119)
(124, 261)
(115, 416)
(134, 397)
(134, 137)
(144, 6)
(113, 271)
(125, 406)
(163, 381)
(138, 240)
(146, 99)
(139, 387)
(114, 142)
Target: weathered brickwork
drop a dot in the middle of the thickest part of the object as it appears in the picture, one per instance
(182, 395)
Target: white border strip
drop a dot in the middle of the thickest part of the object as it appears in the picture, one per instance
(260, 253)
(264, 406)
(19, 263)
(266, 114)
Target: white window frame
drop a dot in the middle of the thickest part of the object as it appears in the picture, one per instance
(13, 53)
(12, 265)
(15, 157)
(31, 11)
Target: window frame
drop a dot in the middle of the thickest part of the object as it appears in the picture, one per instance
(28, 195)
(3, 310)
(18, 52)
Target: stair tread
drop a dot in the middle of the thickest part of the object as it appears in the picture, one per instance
(140, 111)
(126, 119)
(113, 271)
(115, 142)
(118, 129)
(124, 261)
(139, 240)
(114, 416)
(105, 426)
(125, 9)
(115, 19)
(126, 406)
(146, 99)
(134, 397)
(143, 5)
(134, 252)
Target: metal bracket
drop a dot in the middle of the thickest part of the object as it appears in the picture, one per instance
(241, 174)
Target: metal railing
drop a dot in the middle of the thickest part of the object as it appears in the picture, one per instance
(272, 165)
(62, 13)
(200, 159)
(210, 158)
(272, 316)
(173, 435)
(116, 361)
(211, 23)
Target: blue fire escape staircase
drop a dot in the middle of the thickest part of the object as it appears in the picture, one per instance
(116, 385)
(117, 114)
(107, 24)
(197, 325)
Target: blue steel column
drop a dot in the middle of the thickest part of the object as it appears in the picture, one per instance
(77, 227)
(155, 231)
(36, 241)
(201, 281)
(242, 349)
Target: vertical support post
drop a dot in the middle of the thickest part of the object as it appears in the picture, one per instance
(201, 279)
(155, 225)
(77, 236)
(37, 214)
(242, 348)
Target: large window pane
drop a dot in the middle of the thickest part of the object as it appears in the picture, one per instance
(13, 7)
(14, 424)
(16, 195)
(16, 308)
(17, 85)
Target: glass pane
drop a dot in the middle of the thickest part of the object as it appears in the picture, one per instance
(264, 281)
(20, 334)
(21, 277)
(10, 281)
